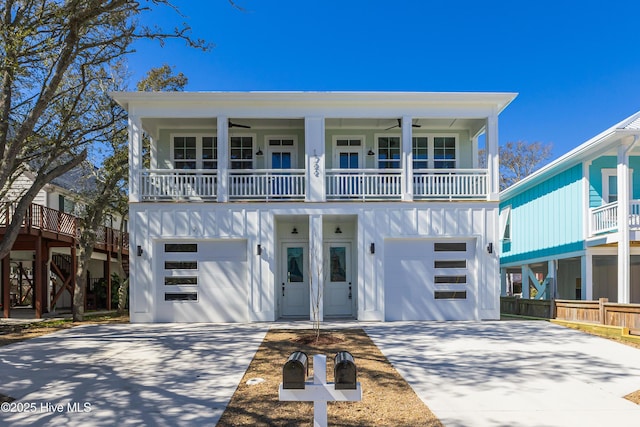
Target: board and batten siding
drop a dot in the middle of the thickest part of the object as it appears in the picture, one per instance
(595, 177)
(546, 219)
(255, 223)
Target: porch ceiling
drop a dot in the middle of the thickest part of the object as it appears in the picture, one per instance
(152, 125)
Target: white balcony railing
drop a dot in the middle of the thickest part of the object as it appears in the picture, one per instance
(604, 219)
(364, 184)
(290, 184)
(171, 184)
(267, 184)
(450, 184)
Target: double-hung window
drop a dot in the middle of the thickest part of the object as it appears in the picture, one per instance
(194, 152)
(420, 152)
(444, 152)
(241, 152)
(389, 152)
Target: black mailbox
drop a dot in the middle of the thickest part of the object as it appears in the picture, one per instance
(344, 371)
(295, 371)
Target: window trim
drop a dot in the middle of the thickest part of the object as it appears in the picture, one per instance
(269, 149)
(505, 224)
(398, 161)
(431, 161)
(359, 150)
(199, 149)
(606, 174)
(253, 137)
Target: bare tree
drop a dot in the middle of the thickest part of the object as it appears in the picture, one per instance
(54, 58)
(518, 160)
(109, 193)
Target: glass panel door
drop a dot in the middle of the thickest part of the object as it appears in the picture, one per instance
(339, 297)
(295, 285)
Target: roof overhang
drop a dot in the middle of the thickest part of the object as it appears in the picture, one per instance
(619, 134)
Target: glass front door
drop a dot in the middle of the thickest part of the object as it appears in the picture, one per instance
(339, 297)
(295, 284)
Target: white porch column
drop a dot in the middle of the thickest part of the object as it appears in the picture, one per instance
(314, 159)
(315, 267)
(503, 282)
(474, 152)
(493, 160)
(135, 157)
(586, 271)
(223, 158)
(624, 260)
(407, 159)
(524, 270)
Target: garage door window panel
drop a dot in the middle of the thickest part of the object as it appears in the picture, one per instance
(450, 295)
(181, 296)
(181, 265)
(180, 247)
(181, 280)
(450, 247)
(462, 279)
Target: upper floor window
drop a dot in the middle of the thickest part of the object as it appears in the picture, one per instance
(389, 152)
(444, 152)
(610, 184)
(194, 152)
(241, 152)
(420, 152)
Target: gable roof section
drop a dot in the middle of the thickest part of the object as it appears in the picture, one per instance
(589, 149)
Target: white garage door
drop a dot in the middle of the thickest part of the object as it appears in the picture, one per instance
(202, 281)
(430, 279)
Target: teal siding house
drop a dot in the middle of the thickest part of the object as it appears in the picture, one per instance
(568, 231)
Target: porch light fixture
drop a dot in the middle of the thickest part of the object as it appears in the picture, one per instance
(372, 248)
(259, 249)
(259, 152)
(490, 248)
(139, 250)
(294, 231)
(338, 231)
(370, 152)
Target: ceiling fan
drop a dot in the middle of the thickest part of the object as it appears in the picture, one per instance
(415, 125)
(237, 125)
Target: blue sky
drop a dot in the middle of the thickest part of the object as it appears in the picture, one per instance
(575, 64)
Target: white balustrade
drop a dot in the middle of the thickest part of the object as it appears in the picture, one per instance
(267, 184)
(604, 219)
(290, 184)
(365, 184)
(172, 184)
(450, 184)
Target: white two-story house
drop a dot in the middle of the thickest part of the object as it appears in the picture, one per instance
(262, 206)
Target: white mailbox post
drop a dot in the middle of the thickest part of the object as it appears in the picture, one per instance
(320, 392)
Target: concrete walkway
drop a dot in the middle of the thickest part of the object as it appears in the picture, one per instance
(118, 375)
(513, 373)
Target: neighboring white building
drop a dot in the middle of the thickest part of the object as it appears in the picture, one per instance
(256, 203)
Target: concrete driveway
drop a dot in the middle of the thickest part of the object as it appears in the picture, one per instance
(513, 373)
(471, 374)
(108, 375)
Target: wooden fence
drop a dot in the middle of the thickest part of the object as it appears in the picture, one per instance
(525, 307)
(601, 312)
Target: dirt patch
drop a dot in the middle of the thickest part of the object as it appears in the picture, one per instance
(387, 399)
(634, 397)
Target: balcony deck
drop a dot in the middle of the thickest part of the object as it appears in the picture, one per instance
(604, 219)
(269, 185)
(61, 225)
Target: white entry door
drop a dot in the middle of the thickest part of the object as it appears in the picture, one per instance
(339, 290)
(295, 280)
